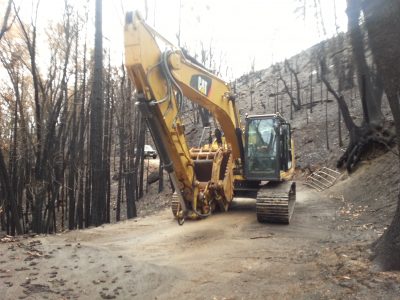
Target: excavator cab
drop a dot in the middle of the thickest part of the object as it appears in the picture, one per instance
(268, 149)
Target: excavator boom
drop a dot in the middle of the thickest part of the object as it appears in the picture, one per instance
(155, 71)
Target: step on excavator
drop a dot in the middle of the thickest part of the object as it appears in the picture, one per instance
(254, 159)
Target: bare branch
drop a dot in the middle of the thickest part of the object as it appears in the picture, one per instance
(5, 27)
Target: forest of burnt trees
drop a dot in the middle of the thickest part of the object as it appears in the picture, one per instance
(61, 121)
(64, 121)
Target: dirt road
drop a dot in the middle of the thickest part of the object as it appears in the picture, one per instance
(226, 256)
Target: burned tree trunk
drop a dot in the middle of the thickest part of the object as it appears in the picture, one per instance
(160, 176)
(383, 26)
(11, 201)
(96, 127)
(38, 186)
(288, 91)
(107, 145)
(373, 89)
(83, 211)
(131, 174)
(296, 78)
(361, 137)
(121, 139)
(73, 145)
(121, 169)
(5, 26)
(140, 146)
(326, 120)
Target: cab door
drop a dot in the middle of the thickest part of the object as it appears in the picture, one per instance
(286, 146)
(262, 147)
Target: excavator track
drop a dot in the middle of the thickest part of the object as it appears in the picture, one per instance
(275, 202)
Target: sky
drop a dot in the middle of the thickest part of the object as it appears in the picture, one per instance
(267, 31)
(239, 31)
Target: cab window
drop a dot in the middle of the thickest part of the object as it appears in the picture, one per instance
(262, 143)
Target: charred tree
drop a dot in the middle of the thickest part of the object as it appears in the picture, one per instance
(288, 91)
(107, 143)
(49, 124)
(338, 60)
(339, 125)
(120, 117)
(5, 26)
(18, 150)
(58, 132)
(160, 176)
(326, 120)
(11, 202)
(371, 131)
(296, 78)
(39, 185)
(361, 137)
(73, 145)
(121, 170)
(373, 89)
(98, 200)
(131, 174)
(383, 26)
(141, 142)
(82, 211)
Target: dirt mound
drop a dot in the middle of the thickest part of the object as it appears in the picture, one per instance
(369, 195)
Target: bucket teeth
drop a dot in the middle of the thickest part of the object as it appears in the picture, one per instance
(175, 205)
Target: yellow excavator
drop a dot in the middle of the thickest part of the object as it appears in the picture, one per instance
(255, 159)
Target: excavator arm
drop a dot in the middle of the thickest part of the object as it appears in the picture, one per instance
(212, 93)
(162, 77)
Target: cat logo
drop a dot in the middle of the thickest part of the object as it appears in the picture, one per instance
(201, 83)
